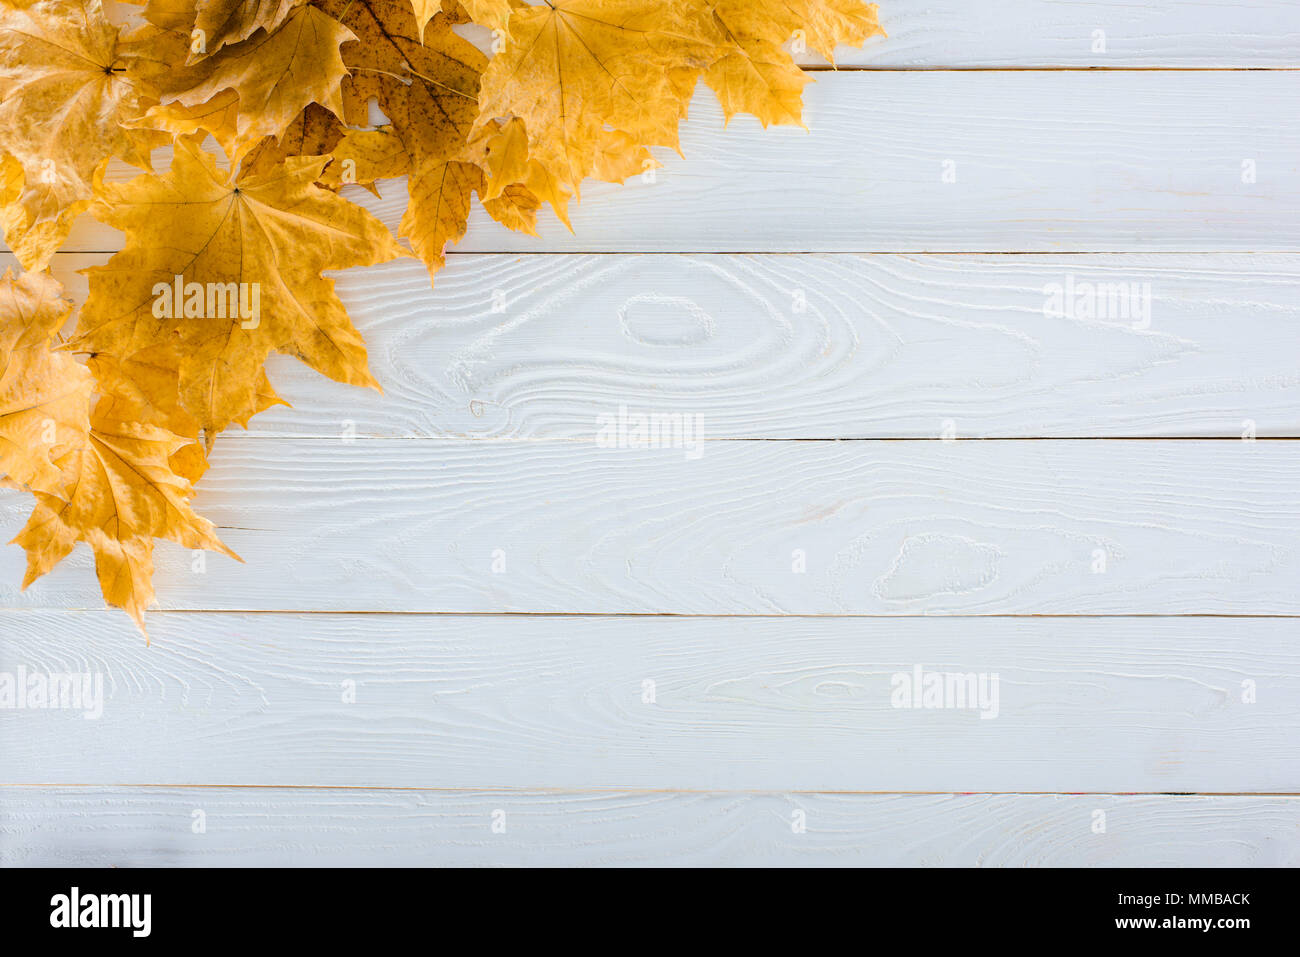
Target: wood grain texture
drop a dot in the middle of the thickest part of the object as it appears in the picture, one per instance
(1019, 34)
(756, 718)
(126, 827)
(1048, 161)
(828, 346)
(887, 528)
(1045, 33)
(1119, 705)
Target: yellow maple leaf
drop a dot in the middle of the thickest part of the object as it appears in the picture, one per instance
(821, 25)
(361, 157)
(426, 83)
(758, 77)
(171, 14)
(34, 244)
(316, 132)
(576, 70)
(209, 25)
(67, 89)
(122, 493)
(44, 394)
(515, 183)
(493, 14)
(516, 208)
(256, 88)
(221, 269)
(249, 253)
(226, 22)
(105, 478)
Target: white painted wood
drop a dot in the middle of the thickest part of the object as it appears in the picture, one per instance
(887, 528)
(125, 827)
(1121, 704)
(1043, 161)
(938, 34)
(826, 346)
(890, 346)
(1037, 33)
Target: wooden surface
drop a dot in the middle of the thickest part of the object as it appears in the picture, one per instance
(1051, 161)
(377, 827)
(370, 523)
(752, 704)
(885, 528)
(1045, 34)
(1034, 34)
(861, 346)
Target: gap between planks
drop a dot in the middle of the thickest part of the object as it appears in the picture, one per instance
(581, 440)
(529, 789)
(866, 68)
(418, 613)
(1173, 185)
(783, 253)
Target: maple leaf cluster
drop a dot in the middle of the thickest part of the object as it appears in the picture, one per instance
(223, 258)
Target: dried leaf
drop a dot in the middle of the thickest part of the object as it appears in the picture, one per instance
(106, 479)
(575, 70)
(66, 92)
(220, 269)
(226, 22)
(426, 83)
(263, 240)
(258, 87)
(44, 394)
(122, 494)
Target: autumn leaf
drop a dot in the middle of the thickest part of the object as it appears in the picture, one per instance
(492, 14)
(210, 25)
(823, 24)
(754, 74)
(225, 22)
(425, 81)
(514, 180)
(171, 14)
(106, 479)
(34, 244)
(220, 269)
(44, 394)
(256, 88)
(576, 70)
(67, 91)
(122, 493)
(258, 241)
(362, 157)
(315, 132)
(426, 10)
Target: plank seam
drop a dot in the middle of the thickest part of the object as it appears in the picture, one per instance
(1044, 68)
(700, 791)
(806, 252)
(70, 609)
(583, 440)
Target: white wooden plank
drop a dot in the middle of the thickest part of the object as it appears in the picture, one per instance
(1040, 161)
(1047, 33)
(125, 827)
(823, 346)
(888, 528)
(939, 34)
(1083, 704)
(1037, 33)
